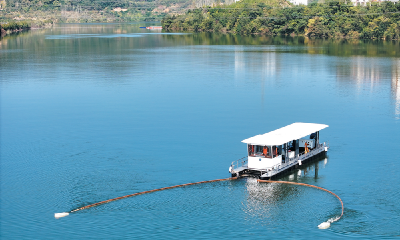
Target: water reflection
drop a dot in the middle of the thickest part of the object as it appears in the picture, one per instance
(365, 72)
(362, 71)
(268, 61)
(266, 199)
(396, 87)
(307, 170)
(239, 58)
(359, 66)
(371, 74)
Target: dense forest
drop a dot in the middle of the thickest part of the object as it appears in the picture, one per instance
(333, 19)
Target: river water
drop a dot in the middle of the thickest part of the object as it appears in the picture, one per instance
(91, 112)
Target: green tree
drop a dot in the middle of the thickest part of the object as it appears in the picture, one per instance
(317, 28)
(393, 32)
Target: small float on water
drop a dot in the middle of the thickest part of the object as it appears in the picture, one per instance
(280, 150)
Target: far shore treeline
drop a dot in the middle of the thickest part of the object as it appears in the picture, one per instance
(334, 19)
(330, 19)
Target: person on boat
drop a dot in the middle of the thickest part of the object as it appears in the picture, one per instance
(250, 150)
(276, 151)
(306, 147)
(265, 151)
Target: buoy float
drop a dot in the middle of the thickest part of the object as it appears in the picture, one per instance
(60, 215)
(324, 225)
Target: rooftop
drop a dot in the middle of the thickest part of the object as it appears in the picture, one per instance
(285, 134)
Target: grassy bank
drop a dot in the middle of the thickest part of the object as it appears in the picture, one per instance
(17, 26)
(13, 26)
(328, 20)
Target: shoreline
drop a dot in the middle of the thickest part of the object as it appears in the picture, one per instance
(24, 26)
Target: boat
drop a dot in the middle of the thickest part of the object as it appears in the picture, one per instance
(154, 27)
(273, 153)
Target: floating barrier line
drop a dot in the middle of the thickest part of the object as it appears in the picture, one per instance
(323, 225)
(63, 214)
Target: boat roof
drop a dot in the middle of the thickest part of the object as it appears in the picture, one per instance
(285, 134)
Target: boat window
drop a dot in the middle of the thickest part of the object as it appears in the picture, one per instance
(267, 151)
(276, 150)
(254, 150)
(259, 151)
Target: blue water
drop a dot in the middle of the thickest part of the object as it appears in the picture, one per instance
(91, 112)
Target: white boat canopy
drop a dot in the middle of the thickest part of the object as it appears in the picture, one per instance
(286, 134)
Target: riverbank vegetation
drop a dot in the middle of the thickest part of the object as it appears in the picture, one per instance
(13, 26)
(334, 19)
(18, 26)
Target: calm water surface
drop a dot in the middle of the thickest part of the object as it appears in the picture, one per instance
(96, 111)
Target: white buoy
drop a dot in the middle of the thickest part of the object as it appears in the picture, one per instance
(60, 215)
(324, 225)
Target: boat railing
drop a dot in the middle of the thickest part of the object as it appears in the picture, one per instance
(238, 163)
(293, 161)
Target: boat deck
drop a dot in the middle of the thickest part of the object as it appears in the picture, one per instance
(294, 161)
(242, 168)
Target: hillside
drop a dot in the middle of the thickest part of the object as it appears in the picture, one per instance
(91, 10)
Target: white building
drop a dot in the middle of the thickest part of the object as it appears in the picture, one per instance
(298, 2)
